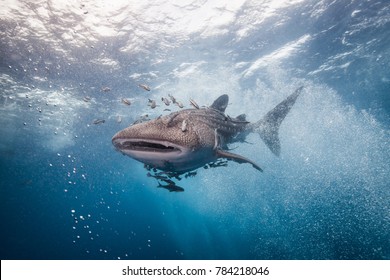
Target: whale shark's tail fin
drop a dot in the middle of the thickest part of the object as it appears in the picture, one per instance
(268, 126)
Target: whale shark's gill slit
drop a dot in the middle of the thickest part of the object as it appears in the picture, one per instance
(147, 146)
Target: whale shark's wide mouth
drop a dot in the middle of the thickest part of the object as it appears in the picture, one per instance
(142, 145)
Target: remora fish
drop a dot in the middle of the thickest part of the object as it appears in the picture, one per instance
(163, 144)
(126, 101)
(171, 187)
(98, 121)
(145, 87)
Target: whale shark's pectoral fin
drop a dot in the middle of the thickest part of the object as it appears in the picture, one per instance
(236, 158)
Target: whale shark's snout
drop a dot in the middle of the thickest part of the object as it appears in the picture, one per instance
(154, 150)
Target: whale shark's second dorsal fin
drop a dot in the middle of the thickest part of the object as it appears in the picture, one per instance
(220, 103)
(241, 117)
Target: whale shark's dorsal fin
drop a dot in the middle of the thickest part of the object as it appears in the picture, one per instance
(220, 103)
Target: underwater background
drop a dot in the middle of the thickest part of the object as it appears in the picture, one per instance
(65, 193)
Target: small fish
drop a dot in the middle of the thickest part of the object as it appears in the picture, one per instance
(98, 121)
(126, 101)
(105, 89)
(165, 100)
(184, 126)
(152, 103)
(142, 119)
(87, 98)
(193, 103)
(172, 98)
(190, 174)
(145, 87)
(171, 187)
(160, 177)
(178, 103)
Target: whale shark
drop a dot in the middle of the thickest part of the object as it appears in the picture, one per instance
(188, 139)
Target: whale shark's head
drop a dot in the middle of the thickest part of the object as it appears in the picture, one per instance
(168, 143)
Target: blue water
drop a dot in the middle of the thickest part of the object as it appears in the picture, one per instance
(67, 194)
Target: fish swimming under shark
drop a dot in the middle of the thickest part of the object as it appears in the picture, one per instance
(191, 138)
